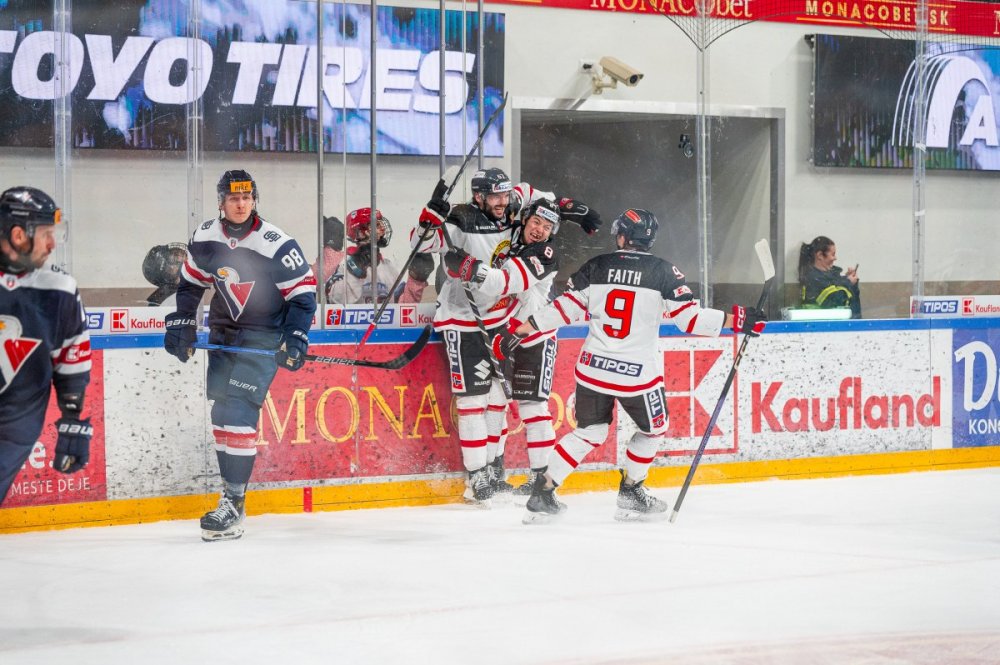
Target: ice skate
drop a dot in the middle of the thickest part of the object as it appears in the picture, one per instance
(522, 492)
(636, 504)
(502, 490)
(226, 521)
(478, 489)
(542, 506)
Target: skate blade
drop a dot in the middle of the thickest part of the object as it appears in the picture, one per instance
(540, 518)
(231, 534)
(503, 498)
(485, 504)
(626, 515)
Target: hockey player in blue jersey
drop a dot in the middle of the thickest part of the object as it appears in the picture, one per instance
(43, 339)
(265, 298)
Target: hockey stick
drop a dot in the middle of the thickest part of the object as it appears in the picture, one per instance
(427, 231)
(398, 362)
(767, 265)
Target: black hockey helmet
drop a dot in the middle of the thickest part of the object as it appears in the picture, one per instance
(162, 265)
(491, 181)
(546, 209)
(638, 226)
(236, 181)
(27, 207)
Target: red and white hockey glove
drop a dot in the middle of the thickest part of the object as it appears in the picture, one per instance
(748, 320)
(463, 266)
(505, 343)
(434, 213)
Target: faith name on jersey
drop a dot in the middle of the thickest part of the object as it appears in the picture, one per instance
(627, 294)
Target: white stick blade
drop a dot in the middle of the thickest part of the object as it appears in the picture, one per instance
(764, 256)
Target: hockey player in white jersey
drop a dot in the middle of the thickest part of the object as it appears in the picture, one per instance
(480, 233)
(528, 273)
(626, 293)
(352, 283)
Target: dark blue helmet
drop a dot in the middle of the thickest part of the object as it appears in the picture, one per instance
(638, 226)
(27, 207)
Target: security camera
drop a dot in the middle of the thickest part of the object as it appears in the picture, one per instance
(619, 71)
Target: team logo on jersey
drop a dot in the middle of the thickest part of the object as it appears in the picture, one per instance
(500, 254)
(14, 349)
(234, 292)
(10, 282)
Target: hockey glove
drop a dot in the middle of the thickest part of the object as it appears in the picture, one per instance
(464, 267)
(421, 267)
(72, 444)
(292, 354)
(505, 343)
(333, 233)
(359, 260)
(575, 211)
(749, 320)
(434, 213)
(181, 334)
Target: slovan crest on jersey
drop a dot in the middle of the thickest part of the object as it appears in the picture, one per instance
(14, 349)
(234, 292)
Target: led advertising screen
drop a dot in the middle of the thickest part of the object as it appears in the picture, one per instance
(133, 70)
(865, 113)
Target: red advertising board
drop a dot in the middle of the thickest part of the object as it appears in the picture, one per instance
(955, 17)
(38, 484)
(325, 421)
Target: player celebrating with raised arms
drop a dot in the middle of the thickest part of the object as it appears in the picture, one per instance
(480, 235)
(265, 298)
(528, 273)
(626, 293)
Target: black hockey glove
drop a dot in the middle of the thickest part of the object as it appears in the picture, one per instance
(359, 260)
(464, 267)
(181, 334)
(576, 211)
(333, 233)
(72, 444)
(433, 214)
(292, 354)
(749, 320)
(421, 267)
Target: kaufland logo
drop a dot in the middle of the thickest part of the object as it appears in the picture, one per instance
(407, 315)
(345, 316)
(119, 320)
(968, 306)
(684, 377)
(851, 408)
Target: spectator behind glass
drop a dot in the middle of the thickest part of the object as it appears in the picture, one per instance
(162, 269)
(824, 284)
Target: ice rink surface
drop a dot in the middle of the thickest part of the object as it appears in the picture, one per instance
(866, 570)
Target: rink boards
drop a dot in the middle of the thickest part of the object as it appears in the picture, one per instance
(810, 399)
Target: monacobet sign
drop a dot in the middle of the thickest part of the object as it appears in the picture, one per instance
(963, 17)
(132, 70)
(873, 124)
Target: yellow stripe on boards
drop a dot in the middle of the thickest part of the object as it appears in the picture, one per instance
(431, 492)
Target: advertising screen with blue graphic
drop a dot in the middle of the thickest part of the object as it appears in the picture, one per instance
(864, 112)
(133, 71)
(976, 398)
